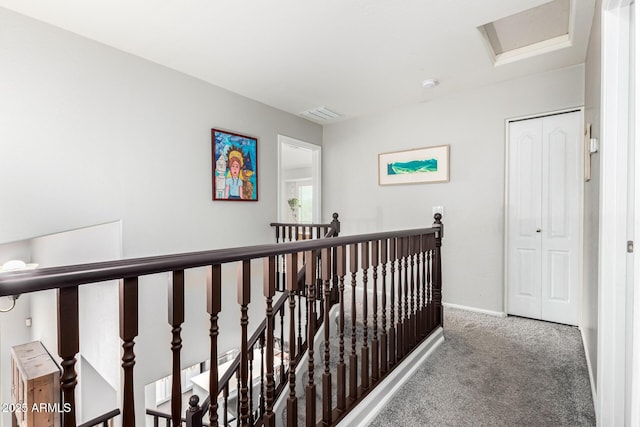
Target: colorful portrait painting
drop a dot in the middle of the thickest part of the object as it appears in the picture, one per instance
(235, 166)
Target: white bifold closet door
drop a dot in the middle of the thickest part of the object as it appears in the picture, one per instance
(544, 217)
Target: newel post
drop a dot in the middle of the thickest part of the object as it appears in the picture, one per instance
(335, 225)
(437, 270)
(194, 413)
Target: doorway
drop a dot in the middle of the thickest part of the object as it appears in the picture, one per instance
(299, 178)
(544, 217)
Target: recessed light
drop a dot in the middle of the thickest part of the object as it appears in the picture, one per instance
(430, 83)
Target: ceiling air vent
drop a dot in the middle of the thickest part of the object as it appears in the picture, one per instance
(321, 114)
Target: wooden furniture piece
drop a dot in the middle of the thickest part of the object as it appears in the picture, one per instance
(35, 386)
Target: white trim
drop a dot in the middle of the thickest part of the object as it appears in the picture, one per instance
(592, 381)
(375, 401)
(475, 309)
(611, 394)
(635, 322)
(535, 49)
(316, 178)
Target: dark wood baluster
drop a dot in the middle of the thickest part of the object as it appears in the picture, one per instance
(244, 298)
(277, 234)
(364, 258)
(353, 358)
(327, 403)
(68, 347)
(419, 287)
(176, 318)
(400, 324)
(238, 385)
(261, 404)
(292, 287)
(128, 290)
(225, 397)
(384, 363)
(392, 327)
(214, 305)
(424, 250)
(341, 271)
(418, 320)
(375, 350)
(437, 272)
(429, 294)
(310, 391)
(413, 313)
(250, 354)
(406, 330)
(282, 373)
(300, 296)
(269, 419)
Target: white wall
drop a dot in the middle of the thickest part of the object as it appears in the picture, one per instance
(473, 124)
(92, 135)
(589, 321)
(98, 313)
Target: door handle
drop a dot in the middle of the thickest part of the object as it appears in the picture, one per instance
(538, 230)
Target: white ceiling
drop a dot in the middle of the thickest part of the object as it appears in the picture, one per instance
(352, 56)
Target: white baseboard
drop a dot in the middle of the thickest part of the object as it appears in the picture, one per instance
(375, 401)
(476, 310)
(590, 369)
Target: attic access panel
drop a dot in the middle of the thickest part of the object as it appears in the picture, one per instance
(531, 32)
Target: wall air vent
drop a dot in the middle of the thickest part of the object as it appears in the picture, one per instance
(321, 114)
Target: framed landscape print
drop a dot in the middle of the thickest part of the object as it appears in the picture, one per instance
(235, 166)
(422, 165)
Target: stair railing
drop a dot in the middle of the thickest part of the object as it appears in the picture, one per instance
(414, 259)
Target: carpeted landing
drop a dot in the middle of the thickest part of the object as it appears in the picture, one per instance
(493, 371)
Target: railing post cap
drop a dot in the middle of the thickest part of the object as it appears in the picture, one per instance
(193, 403)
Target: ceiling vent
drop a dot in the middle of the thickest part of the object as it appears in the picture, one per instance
(321, 114)
(531, 32)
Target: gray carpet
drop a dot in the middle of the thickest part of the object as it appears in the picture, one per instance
(494, 371)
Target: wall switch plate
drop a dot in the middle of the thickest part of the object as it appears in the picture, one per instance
(437, 209)
(593, 145)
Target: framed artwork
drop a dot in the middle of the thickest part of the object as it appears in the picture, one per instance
(587, 153)
(235, 166)
(422, 165)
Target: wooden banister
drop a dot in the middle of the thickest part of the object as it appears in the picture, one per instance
(406, 263)
(102, 419)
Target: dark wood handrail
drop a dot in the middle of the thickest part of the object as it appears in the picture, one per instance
(162, 415)
(101, 419)
(15, 283)
(415, 262)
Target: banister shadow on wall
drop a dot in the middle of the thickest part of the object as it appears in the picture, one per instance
(411, 280)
